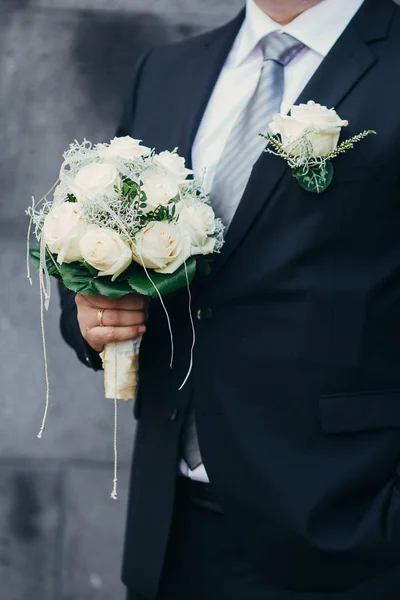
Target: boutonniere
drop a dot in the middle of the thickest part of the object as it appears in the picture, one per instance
(308, 139)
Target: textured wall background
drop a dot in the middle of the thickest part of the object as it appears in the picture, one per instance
(64, 66)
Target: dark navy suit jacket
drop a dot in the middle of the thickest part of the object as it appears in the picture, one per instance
(296, 378)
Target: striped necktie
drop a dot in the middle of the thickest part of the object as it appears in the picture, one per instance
(245, 145)
(243, 148)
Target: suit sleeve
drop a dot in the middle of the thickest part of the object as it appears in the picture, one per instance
(71, 332)
(69, 326)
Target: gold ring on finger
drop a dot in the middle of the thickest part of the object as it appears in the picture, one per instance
(100, 317)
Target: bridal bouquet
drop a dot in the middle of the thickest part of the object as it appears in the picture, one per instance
(122, 219)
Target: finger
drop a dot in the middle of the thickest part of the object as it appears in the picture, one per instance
(88, 317)
(120, 318)
(98, 337)
(130, 302)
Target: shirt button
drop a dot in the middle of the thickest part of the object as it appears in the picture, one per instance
(174, 415)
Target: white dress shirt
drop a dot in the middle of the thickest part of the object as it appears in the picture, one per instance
(318, 29)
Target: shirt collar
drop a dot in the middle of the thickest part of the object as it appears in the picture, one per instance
(318, 28)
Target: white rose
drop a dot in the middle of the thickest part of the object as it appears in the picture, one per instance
(63, 230)
(173, 164)
(94, 179)
(106, 251)
(199, 220)
(163, 247)
(325, 122)
(159, 189)
(127, 148)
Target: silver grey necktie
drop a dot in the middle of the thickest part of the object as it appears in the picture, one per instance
(242, 150)
(190, 443)
(244, 145)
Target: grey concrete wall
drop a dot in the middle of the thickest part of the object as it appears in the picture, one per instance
(64, 66)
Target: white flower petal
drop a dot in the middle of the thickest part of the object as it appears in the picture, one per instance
(126, 148)
(63, 229)
(106, 251)
(323, 126)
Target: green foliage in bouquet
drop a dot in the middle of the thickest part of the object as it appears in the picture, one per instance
(81, 278)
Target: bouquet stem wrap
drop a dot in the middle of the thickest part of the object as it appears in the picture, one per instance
(121, 369)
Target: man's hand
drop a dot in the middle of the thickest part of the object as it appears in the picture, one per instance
(122, 319)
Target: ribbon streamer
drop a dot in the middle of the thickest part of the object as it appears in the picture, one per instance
(193, 331)
(114, 493)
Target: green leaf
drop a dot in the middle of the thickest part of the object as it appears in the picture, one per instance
(165, 283)
(316, 180)
(129, 189)
(81, 277)
(71, 198)
(34, 255)
(91, 269)
(112, 289)
(77, 278)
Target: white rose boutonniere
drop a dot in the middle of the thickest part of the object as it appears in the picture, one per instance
(106, 251)
(308, 139)
(325, 122)
(63, 230)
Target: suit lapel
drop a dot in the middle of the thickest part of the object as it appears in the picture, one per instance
(199, 82)
(349, 61)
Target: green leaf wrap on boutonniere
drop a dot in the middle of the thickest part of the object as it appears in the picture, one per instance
(308, 140)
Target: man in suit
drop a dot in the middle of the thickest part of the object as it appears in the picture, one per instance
(274, 473)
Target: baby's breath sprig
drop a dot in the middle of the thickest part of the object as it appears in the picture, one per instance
(38, 215)
(111, 213)
(301, 155)
(349, 144)
(314, 173)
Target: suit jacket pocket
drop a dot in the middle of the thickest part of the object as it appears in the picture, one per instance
(366, 411)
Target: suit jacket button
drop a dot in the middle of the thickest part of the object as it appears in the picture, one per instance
(204, 313)
(174, 414)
